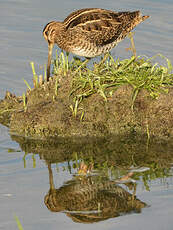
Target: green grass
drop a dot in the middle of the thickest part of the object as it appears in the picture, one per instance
(138, 72)
(24, 102)
(18, 223)
(104, 78)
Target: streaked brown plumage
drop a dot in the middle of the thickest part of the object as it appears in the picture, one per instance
(79, 198)
(90, 32)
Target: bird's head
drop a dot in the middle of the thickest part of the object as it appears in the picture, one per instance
(49, 32)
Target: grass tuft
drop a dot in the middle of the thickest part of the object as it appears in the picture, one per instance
(138, 72)
(27, 84)
(24, 102)
(35, 76)
(18, 223)
(105, 78)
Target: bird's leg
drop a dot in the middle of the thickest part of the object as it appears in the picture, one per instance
(50, 47)
(106, 55)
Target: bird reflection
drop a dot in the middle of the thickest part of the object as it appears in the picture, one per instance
(91, 198)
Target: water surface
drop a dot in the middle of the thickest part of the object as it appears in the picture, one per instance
(24, 174)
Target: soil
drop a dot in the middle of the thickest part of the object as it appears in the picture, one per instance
(49, 114)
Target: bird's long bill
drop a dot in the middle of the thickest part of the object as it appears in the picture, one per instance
(50, 47)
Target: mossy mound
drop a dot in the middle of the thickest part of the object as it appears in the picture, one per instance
(119, 97)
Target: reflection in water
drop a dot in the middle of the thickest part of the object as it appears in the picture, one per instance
(115, 155)
(91, 198)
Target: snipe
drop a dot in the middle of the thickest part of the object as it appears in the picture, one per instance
(90, 32)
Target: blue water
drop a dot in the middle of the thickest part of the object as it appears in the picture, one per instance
(22, 185)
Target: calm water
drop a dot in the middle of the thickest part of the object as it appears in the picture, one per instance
(24, 174)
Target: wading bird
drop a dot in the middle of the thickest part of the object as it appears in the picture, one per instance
(90, 32)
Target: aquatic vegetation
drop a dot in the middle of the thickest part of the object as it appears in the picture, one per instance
(35, 76)
(24, 102)
(27, 84)
(18, 223)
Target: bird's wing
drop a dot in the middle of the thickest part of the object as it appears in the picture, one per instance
(96, 25)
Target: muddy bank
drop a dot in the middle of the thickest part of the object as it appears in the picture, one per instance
(50, 112)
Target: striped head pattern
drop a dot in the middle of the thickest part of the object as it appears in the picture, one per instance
(49, 31)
